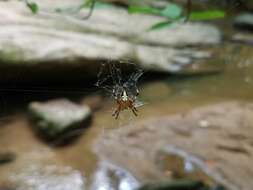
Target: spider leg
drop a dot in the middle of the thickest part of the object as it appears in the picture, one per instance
(134, 110)
(117, 115)
(116, 112)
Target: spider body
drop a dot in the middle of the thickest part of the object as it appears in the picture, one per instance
(125, 102)
(123, 89)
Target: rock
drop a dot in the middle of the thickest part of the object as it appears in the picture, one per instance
(7, 157)
(220, 148)
(49, 38)
(61, 118)
(243, 38)
(244, 21)
(180, 164)
(109, 176)
(48, 177)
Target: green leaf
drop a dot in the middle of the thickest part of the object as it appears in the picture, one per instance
(143, 10)
(33, 7)
(171, 11)
(160, 25)
(207, 15)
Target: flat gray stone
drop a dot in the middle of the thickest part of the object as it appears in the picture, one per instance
(55, 118)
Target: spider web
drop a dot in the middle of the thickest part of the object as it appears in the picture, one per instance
(114, 79)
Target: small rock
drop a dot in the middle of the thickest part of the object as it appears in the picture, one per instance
(109, 176)
(59, 118)
(244, 22)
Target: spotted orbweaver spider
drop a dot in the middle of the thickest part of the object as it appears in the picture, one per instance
(123, 89)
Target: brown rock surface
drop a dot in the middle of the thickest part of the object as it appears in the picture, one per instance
(218, 138)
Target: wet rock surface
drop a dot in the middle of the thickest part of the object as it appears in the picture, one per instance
(60, 118)
(109, 176)
(217, 139)
(52, 37)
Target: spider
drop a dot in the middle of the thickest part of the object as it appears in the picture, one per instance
(124, 92)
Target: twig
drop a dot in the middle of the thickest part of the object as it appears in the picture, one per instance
(93, 2)
(188, 9)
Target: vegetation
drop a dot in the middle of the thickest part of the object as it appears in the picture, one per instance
(32, 6)
(172, 13)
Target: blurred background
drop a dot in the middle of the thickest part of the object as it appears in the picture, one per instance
(194, 126)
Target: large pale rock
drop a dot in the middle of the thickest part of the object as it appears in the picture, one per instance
(109, 34)
(216, 140)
